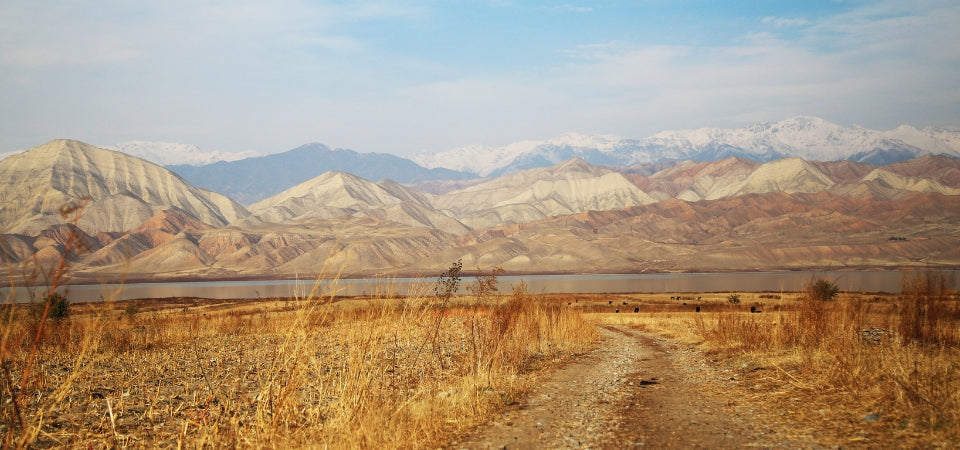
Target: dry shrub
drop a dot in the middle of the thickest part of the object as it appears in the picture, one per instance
(909, 376)
(926, 315)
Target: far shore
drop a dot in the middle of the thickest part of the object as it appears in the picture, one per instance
(80, 289)
(82, 279)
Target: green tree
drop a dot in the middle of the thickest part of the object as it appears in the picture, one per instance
(56, 306)
(822, 290)
(733, 298)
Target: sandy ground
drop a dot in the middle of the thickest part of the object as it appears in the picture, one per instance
(638, 390)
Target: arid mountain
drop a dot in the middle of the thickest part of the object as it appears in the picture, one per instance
(254, 179)
(340, 194)
(156, 231)
(729, 215)
(938, 168)
(123, 191)
(534, 194)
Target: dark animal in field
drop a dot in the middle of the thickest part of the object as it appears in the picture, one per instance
(636, 310)
(698, 309)
(618, 310)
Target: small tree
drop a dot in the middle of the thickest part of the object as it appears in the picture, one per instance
(733, 298)
(59, 307)
(822, 290)
(56, 306)
(486, 283)
(448, 282)
(447, 285)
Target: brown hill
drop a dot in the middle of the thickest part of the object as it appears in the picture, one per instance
(158, 230)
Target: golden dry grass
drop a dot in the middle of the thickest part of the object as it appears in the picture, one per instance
(404, 373)
(836, 363)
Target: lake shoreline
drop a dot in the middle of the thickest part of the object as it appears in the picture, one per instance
(87, 279)
(879, 281)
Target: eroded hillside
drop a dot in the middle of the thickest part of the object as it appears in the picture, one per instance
(727, 215)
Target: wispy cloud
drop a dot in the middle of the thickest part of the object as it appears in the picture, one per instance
(571, 8)
(250, 75)
(781, 22)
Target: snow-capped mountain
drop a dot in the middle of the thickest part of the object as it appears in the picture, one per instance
(810, 138)
(171, 153)
(484, 160)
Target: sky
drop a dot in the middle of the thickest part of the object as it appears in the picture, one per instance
(407, 76)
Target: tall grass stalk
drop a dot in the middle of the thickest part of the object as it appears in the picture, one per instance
(897, 359)
(309, 371)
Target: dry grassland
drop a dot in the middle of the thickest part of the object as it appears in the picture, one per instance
(402, 373)
(420, 371)
(859, 369)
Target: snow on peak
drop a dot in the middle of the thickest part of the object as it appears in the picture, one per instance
(170, 153)
(577, 140)
(807, 137)
(484, 160)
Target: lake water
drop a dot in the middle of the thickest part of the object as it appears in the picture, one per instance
(871, 281)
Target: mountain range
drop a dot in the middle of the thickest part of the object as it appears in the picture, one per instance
(142, 221)
(809, 138)
(252, 179)
(251, 176)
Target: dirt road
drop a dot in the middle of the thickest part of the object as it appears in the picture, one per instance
(632, 391)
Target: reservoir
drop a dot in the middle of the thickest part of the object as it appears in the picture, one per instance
(869, 281)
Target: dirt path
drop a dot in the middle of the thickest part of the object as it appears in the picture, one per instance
(632, 391)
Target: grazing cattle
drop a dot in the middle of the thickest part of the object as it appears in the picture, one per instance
(698, 309)
(618, 310)
(636, 310)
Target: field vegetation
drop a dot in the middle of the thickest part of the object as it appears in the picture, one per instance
(838, 363)
(407, 372)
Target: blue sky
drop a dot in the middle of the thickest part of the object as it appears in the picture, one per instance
(401, 77)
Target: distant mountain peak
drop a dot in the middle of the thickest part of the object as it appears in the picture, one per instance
(808, 137)
(171, 153)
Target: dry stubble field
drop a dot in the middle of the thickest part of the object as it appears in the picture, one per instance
(423, 371)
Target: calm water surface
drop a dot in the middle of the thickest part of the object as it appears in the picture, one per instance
(873, 281)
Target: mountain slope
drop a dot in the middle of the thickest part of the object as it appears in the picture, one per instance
(124, 191)
(533, 194)
(254, 179)
(732, 214)
(338, 194)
